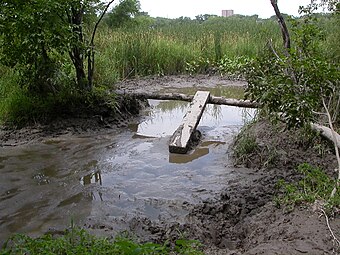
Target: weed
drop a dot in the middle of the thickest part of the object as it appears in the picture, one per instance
(19, 106)
(272, 157)
(78, 241)
(315, 185)
(245, 147)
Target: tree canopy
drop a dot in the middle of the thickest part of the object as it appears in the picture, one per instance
(37, 36)
(123, 13)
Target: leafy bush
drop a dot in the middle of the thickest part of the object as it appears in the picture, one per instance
(232, 67)
(293, 83)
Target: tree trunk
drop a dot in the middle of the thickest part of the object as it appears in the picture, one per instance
(183, 97)
(282, 23)
(77, 52)
(91, 54)
(326, 132)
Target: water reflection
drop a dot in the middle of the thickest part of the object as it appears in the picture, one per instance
(95, 177)
(163, 118)
(186, 158)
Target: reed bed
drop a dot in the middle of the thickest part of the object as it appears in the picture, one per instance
(166, 49)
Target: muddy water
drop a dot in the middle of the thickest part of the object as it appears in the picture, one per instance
(114, 176)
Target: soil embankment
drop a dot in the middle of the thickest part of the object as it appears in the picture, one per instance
(242, 218)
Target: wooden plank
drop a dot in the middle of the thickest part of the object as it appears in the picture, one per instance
(179, 141)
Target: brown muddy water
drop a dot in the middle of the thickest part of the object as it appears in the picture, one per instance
(116, 175)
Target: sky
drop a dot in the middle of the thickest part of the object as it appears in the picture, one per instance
(191, 8)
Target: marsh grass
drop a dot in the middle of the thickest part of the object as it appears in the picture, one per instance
(218, 45)
(166, 49)
(19, 106)
(79, 242)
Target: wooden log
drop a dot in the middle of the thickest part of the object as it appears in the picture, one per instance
(179, 141)
(232, 102)
(326, 132)
(183, 97)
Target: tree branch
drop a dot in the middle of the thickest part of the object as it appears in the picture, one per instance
(335, 146)
(286, 40)
(90, 59)
(329, 228)
(99, 20)
(282, 23)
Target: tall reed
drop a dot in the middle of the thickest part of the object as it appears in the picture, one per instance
(165, 49)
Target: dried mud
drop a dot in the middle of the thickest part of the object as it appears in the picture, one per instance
(242, 219)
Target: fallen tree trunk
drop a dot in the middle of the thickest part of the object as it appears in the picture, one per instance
(183, 97)
(326, 132)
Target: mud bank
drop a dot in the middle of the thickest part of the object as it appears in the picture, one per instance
(243, 219)
(239, 219)
(92, 122)
(81, 123)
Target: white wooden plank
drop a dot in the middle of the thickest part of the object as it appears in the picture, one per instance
(180, 139)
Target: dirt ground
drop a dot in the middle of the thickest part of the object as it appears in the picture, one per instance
(243, 219)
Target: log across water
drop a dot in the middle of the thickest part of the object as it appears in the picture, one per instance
(188, 98)
(324, 131)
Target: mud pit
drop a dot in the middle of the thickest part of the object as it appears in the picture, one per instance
(110, 179)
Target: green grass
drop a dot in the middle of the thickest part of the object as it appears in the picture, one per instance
(18, 106)
(77, 241)
(314, 185)
(158, 47)
(166, 49)
(245, 147)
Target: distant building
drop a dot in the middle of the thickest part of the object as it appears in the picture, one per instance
(227, 13)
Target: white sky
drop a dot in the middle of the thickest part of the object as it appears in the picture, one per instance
(191, 8)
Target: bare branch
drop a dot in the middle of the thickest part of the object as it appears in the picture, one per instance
(334, 136)
(99, 20)
(270, 43)
(90, 60)
(329, 228)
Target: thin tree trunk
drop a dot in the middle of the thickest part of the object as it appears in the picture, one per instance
(282, 23)
(91, 54)
(286, 41)
(77, 53)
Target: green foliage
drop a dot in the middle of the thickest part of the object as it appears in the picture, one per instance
(314, 185)
(78, 241)
(291, 84)
(19, 106)
(122, 15)
(152, 46)
(157, 46)
(37, 36)
(31, 32)
(188, 247)
(233, 67)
